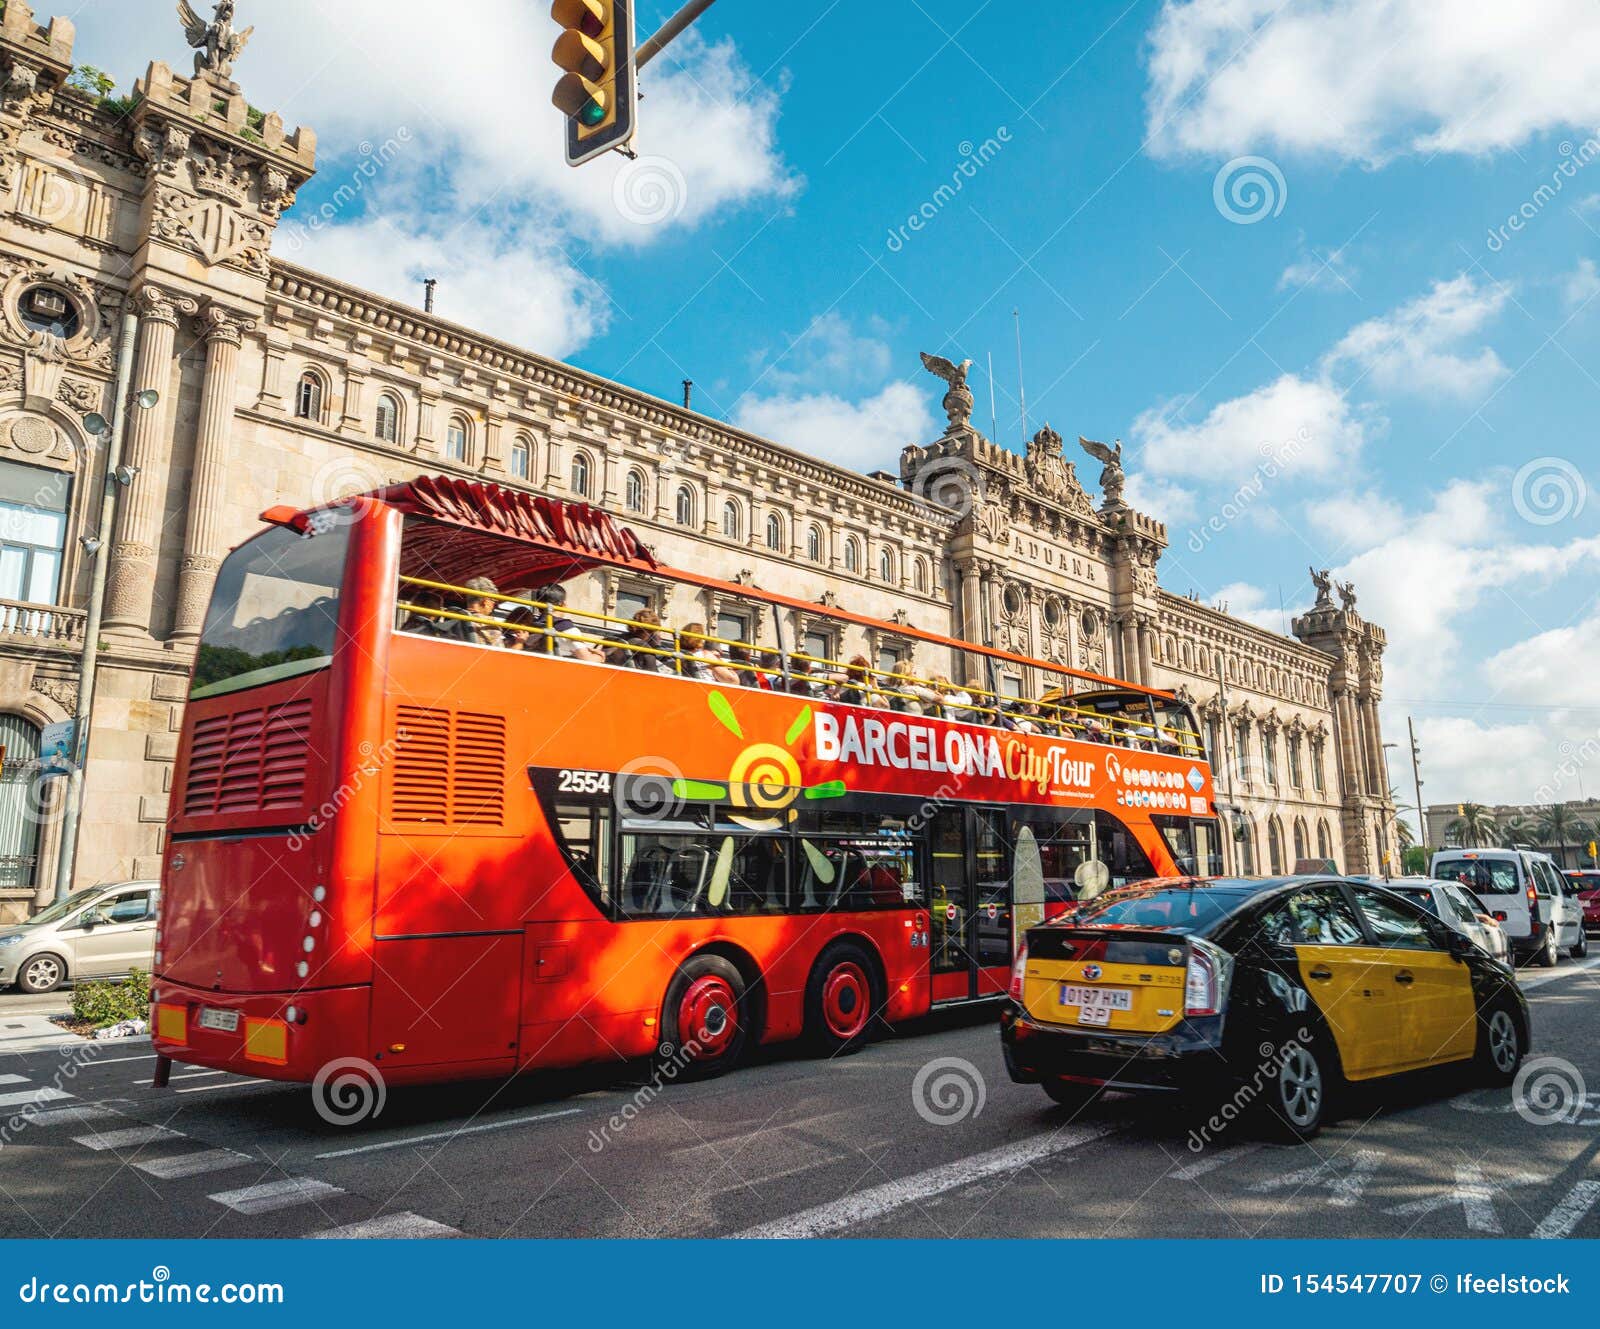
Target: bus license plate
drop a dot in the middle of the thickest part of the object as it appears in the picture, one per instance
(1096, 1004)
(213, 1018)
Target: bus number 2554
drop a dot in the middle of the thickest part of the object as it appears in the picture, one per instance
(572, 781)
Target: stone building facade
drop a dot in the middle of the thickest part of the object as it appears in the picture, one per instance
(278, 384)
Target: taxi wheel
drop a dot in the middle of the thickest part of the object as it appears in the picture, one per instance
(705, 1019)
(42, 973)
(843, 995)
(1296, 1102)
(1500, 1045)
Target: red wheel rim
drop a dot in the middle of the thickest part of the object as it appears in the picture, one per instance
(708, 1020)
(846, 1000)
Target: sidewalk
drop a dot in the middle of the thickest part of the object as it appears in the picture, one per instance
(26, 1032)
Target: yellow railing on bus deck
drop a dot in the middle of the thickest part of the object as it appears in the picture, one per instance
(940, 693)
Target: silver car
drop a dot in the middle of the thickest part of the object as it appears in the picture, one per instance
(102, 931)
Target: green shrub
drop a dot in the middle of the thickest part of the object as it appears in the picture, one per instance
(101, 1004)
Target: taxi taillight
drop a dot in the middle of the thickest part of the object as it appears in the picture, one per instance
(1018, 968)
(1205, 983)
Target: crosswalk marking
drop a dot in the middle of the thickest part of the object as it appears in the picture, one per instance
(173, 1166)
(404, 1226)
(43, 1094)
(270, 1195)
(72, 1115)
(13, 1079)
(1569, 1212)
(1210, 1162)
(127, 1139)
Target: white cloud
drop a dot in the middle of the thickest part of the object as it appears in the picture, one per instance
(1554, 666)
(1254, 605)
(1293, 425)
(1163, 499)
(1318, 269)
(1354, 520)
(1415, 348)
(1367, 79)
(468, 100)
(866, 435)
(829, 353)
(1581, 285)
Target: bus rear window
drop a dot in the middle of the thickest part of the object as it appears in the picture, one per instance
(274, 610)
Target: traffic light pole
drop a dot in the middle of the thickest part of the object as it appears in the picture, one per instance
(1416, 774)
(651, 46)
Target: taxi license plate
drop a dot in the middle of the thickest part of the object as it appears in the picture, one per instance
(213, 1018)
(1096, 1004)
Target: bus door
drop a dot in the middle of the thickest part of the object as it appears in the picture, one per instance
(970, 904)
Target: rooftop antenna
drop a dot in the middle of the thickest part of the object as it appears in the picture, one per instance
(1022, 392)
(428, 287)
(994, 422)
(688, 392)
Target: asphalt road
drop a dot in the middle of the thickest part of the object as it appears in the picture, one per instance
(795, 1147)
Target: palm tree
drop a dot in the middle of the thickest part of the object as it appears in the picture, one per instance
(1517, 830)
(1556, 827)
(1474, 826)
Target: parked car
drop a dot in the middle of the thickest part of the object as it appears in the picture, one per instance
(1457, 906)
(1267, 993)
(1527, 894)
(99, 932)
(1588, 883)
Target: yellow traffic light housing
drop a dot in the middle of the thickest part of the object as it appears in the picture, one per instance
(596, 91)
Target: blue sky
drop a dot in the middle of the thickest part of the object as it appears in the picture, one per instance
(1351, 361)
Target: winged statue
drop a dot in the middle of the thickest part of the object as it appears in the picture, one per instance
(1112, 477)
(216, 44)
(1347, 595)
(958, 400)
(1323, 581)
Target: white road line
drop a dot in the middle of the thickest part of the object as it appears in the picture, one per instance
(13, 1079)
(270, 1195)
(117, 1061)
(1210, 1162)
(1570, 1212)
(71, 1115)
(191, 1165)
(196, 1075)
(406, 1226)
(43, 1094)
(236, 1084)
(126, 1139)
(1581, 966)
(448, 1135)
(876, 1201)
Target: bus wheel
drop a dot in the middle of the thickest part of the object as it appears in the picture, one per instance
(703, 1023)
(841, 998)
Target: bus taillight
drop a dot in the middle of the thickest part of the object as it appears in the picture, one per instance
(1018, 969)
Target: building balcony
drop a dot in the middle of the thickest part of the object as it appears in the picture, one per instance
(49, 627)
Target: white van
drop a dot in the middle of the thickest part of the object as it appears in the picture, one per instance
(1526, 892)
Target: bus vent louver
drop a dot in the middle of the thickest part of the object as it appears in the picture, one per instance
(449, 768)
(250, 761)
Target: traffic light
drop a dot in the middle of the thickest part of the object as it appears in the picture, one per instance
(596, 91)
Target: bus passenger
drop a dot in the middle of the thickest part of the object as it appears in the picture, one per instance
(700, 657)
(481, 604)
(856, 688)
(634, 650)
(745, 662)
(420, 620)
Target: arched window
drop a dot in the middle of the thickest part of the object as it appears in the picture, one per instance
(455, 438)
(1244, 839)
(1324, 840)
(885, 565)
(1302, 842)
(633, 491)
(1275, 846)
(308, 397)
(521, 456)
(685, 506)
(386, 421)
(730, 520)
(852, 555)
(580, 474)
(774, 531)
(814, 544)
(919, 575)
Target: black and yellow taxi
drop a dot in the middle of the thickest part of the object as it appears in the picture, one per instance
(1271, 993)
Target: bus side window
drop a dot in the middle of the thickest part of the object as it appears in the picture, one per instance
(584, 832)
(1121, 853)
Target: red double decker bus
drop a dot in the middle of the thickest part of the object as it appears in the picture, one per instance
(431, 814)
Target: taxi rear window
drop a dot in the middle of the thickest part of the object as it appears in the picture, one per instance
(1177, 909)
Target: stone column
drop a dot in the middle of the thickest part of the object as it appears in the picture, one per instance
(1374, 735)
(1130, 649)
(205, 536)
(1145, 652)
(130, 593)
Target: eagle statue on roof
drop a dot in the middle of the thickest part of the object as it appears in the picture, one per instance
(958, 400)
(216, 44)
